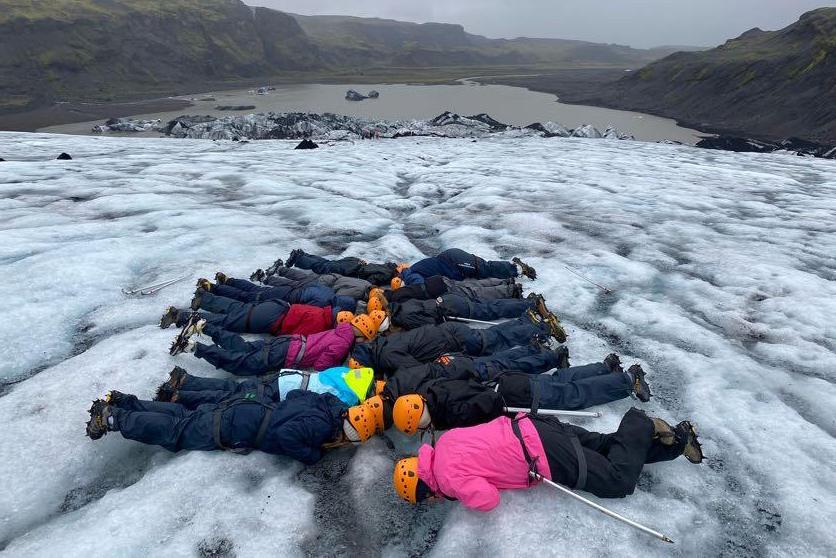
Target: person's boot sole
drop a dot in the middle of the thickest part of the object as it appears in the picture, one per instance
(169, 318)
(693, 449)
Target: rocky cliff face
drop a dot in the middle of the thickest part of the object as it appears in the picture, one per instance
(65, 48)
(769, 84)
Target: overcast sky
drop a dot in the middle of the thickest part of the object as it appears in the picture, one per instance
(639, 23)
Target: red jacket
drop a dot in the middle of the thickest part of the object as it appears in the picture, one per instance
(304, 320)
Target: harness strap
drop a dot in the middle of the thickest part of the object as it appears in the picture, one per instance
(249, 317)
(262, 429)
(306, 379)
(532, 462)
(301, 354)
(266, 354)
(535, 396)
(581, 483)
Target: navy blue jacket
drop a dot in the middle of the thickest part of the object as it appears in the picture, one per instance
(300, 424)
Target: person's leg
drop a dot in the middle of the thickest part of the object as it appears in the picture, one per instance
(133, 403)
(199, 383)
(345, 266)
(483, 293)
(314, 295)
(294, 274)
(242, 284)
(507, 335)
(228, 291)
(186, 430)
(229, 340)
(574, 373)
(472, 266)
(554, 393)
(280, 281)
(462, 307)
(528, 359)
(486, 282)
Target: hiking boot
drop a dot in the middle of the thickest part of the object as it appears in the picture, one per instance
(167, 391)
(204, 284)
(97, 425)
(525, 269)
(183, 342)
(693, 449)
(196, 299)
(663, 432)
(562, 357)
(169, 317)
(274, 269)
(294, 255)
(640, 387)
(116, 398)
(613, 363)
(258, 276)
(516, 290)
(220, 278)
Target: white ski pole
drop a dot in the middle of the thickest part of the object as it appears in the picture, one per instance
(471, 321)
(602, 509)
(152, 289)
(556, 412)
(587, 279)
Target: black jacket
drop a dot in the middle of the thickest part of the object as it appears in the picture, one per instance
(412, 314)
(411, 348)
(432, 288)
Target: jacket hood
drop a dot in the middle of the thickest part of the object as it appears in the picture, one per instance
(426, 456)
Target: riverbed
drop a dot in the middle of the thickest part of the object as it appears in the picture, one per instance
(511, 105)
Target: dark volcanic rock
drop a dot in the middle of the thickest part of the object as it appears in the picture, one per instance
(793, 145)
(235, 107)
(64, 157)
(186, 122)
(2, 159)
(306, 144)
(352, 95)
(373, 94)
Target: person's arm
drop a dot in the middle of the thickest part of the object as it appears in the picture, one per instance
(411, 278)
(477, 494)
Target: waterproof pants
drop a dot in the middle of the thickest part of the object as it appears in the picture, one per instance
(613, 461)
(501, 337)
(234, 354)
(458, 264)
(169, 425)
(312, 294)
(345, 266)
(528, 359)
(481, 289)
(196, 390)
(463, 307)
(580, 387)
(242, 317)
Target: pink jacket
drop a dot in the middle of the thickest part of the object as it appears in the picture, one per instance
(473, 464)
(322, 350)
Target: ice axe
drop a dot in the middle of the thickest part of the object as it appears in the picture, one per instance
(555, 412)
(587, 279)
(601, 508)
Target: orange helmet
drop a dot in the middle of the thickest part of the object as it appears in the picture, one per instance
(406, 414)
(376, 303)
(366, 325)
(401, 267)
(379, 317)
(378, 386)
(405, 479)
(353, 363)
(365, 419)
(396, 283)
(345, 317)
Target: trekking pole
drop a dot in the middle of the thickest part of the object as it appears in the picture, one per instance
(471, 321)
(152, 289)
(602, 509)
(603, 288)
(556, 412)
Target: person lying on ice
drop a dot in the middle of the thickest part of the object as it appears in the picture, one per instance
(351, 386)
(313, 294)
(458, 264)
(416, 313)
(234, 354)
(277, 275)
(453, 263)
(386, 354)
(473, 464)
(298, 424)
(359, 289)
(275, 317)
(436, 286)
(377, 274)
(420, 401)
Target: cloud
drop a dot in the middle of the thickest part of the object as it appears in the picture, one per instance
(639, 23)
